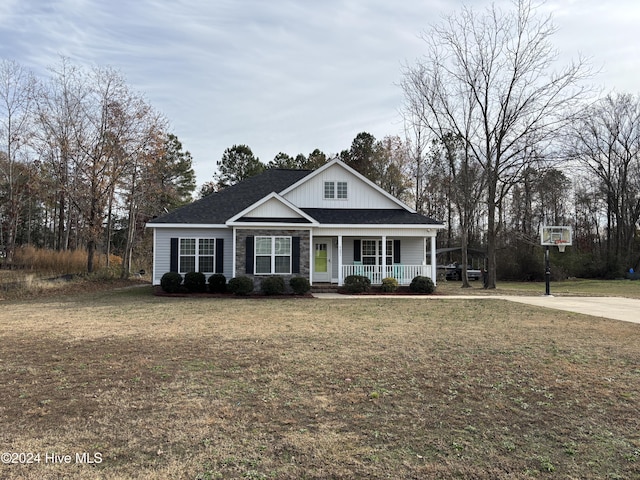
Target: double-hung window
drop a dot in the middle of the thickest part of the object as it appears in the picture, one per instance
(372, 252)
(273, 255)
(341, 188)
(335, 190)
(329, 190)
(369, 252)
(197, 255)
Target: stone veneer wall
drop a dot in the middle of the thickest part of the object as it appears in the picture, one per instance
(305, 242)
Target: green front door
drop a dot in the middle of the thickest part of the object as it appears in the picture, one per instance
(321, 261)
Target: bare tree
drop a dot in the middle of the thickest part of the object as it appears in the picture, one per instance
(145, 145)
(17, 89)
(489, 78)
(607, 144)
(59, 119)
(466, 190)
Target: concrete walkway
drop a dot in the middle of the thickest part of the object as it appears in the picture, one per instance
(616, 308)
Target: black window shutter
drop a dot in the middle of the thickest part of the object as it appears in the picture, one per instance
(219, 255)
(357, 251)
(295, 254)
(173, 263)
(396, 251)
(249, 256)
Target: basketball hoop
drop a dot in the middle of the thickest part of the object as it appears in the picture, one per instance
(550, 235)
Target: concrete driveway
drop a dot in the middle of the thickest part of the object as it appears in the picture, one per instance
(616, 308)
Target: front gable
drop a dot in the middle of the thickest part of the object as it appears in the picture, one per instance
(337, 186)
(272, 209)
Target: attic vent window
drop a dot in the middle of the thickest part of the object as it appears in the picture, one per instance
(335, 190)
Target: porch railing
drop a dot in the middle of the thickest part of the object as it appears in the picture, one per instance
(402, 273)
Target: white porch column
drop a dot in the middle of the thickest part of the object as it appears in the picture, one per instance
(383, 267)
(233, 250)
(340, 278)
(434, 267)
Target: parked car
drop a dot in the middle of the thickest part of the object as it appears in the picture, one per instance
(454, 272)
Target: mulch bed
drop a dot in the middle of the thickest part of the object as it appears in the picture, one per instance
(157, 291)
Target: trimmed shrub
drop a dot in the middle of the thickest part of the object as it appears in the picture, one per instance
(195, 282)
(357, 284)
(273, 285)
(217, 283)
(171, 282)
(300, 285)
(240, 285)
(389, 285)
(422, 285)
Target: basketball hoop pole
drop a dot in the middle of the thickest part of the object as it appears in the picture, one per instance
(547, 272)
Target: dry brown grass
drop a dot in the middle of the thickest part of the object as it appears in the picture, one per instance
(58, 262)
(273, 388)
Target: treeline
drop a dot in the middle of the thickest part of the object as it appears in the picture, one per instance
(567, 186)
(84, 162)
(499, 140)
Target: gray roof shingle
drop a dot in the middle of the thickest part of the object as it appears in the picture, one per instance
(218, 207)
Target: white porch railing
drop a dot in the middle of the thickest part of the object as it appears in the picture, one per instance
(402, 273)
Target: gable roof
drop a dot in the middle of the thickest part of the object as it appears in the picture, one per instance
(231, 205)
(354, 172)
(219, 207)
(292, 214)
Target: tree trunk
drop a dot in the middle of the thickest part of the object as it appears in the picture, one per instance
(491, 235)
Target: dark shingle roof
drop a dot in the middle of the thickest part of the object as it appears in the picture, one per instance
(352, 216)
(218, 207)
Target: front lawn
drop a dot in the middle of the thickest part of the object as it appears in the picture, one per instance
(303, 388)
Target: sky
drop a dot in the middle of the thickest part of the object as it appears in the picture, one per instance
(282, 75)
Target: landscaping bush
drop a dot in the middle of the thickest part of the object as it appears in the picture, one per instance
(300, 285)
(195, 282)
(357, 284)
(171, 282)
(217, 283)
(422, 285)
(389, 285)
(240, 285)
(273, 285)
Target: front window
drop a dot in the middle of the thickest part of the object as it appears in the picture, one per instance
(372, 252)
(197, 255)
(369, 252)
(273, 255)
(206, 255)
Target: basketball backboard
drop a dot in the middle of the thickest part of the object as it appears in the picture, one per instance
(559, 236)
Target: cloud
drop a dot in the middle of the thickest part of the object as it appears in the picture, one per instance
(282, 75)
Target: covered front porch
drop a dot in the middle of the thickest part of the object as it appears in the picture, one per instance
(403, 257)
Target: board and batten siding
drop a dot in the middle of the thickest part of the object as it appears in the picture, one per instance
(359, 195)
(162, 247)
(273, 209)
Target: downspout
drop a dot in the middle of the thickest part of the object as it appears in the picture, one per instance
(311, 253)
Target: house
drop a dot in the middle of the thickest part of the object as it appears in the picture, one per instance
(324, 224)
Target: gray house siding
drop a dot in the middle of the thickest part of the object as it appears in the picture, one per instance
(162, 247)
